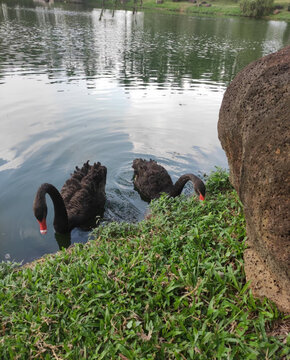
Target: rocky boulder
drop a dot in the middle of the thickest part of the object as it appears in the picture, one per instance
(254, 129)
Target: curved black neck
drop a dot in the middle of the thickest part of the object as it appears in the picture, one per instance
(180, 183)
(60, 222)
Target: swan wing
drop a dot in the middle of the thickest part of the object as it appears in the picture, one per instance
(84, 194)
(151, 179)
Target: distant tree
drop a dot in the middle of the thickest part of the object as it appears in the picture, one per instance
(256, 8)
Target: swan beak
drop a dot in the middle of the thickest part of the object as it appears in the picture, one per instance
(43, 227)
(201, 197)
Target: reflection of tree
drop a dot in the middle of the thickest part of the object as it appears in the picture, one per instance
(286, 36)
(130, 47)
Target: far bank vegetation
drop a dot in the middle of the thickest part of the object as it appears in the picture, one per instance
(270, 9)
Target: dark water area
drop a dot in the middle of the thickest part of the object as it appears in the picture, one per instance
(74, 87)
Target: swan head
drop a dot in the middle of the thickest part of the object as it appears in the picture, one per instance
(199, 188)
(201, 197)
(40, 212)
(42, 226)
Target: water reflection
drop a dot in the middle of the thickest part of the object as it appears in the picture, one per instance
(63, 240)
(277, 34)
(131, 47)
(74, 88)
(25, 126)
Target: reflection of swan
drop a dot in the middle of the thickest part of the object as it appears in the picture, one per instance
(151, 179)
(63, 240)
(81, 199)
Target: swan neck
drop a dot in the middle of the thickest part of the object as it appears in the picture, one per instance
(60, 222)
(180, 183)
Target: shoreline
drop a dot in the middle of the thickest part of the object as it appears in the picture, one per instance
(210, 8)
(169, 284)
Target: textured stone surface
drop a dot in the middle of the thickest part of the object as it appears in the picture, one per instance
(254, 129)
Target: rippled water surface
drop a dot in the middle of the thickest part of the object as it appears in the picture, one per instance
(74, 87)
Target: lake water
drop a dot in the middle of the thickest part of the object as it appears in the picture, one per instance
(74, 87)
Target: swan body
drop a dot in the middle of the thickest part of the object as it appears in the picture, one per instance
(80, 200)
(151, 179)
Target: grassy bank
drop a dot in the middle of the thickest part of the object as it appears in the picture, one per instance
(169, 287)
(217, 8)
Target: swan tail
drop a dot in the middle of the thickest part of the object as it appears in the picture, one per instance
(90, 178)
(95, 178)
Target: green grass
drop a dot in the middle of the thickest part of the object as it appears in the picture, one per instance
(218, 8)
(169, 287)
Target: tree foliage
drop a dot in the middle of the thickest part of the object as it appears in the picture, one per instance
(256, 8)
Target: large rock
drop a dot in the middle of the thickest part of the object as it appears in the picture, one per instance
(253, 129)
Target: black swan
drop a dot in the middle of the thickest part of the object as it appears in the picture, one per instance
(151, 179)
(80, 200)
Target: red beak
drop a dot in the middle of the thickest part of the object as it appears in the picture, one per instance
(201, 197)
(43, 227)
